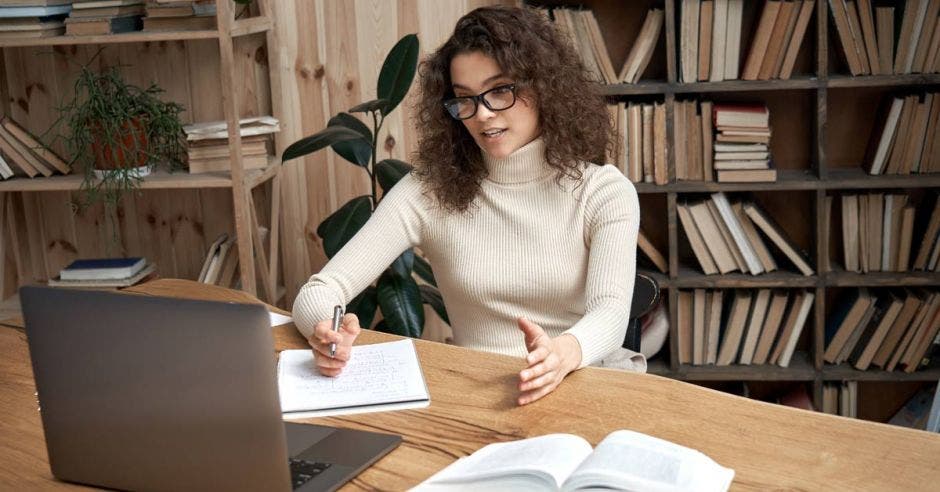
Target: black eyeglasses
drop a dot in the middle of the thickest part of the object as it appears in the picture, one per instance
(496, 99)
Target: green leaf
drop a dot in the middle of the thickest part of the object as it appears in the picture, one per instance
(364, 306)
(337, 229)
(389, 171)
(324, 138)
(397, 72)
(403, 265)
(432, 297)
(423, 269)
(369, 106)
(357, 151)
(400, 301)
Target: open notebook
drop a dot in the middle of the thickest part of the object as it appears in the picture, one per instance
(624, 460)
(378, 377)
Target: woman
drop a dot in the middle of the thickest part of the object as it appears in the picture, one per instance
(533, 247)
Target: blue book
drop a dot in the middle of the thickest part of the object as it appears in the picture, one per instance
(102, 268)
(34, 11)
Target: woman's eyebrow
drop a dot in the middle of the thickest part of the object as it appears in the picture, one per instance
(487, 81)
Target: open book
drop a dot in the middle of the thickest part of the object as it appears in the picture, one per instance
(378, 377)
(624, 460)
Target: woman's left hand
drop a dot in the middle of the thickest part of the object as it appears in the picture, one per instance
(549, 361)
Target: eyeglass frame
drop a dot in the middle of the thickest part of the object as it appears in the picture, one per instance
(481, 98)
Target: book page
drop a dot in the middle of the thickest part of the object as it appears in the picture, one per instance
(377, 374)
(634, 461)
(543, 461)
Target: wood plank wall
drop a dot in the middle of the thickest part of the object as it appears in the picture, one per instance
(328, 58)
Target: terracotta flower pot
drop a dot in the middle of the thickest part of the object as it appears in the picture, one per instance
(133, 136)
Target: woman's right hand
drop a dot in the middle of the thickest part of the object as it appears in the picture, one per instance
(323, 336)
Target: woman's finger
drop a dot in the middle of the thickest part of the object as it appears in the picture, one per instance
(533, 395)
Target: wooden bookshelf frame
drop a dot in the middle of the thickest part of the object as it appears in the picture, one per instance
(816, 179)
(240, 181)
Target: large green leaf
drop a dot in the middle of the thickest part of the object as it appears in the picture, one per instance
(364, 306)
(337, 229)
(403, 265)
(397, 72)
(432, 297)
(423, 269)
(369, 106)
(357, 151)
(400, 301)
(324, 138)
(389, 171)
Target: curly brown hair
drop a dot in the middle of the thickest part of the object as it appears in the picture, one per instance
(541, 60)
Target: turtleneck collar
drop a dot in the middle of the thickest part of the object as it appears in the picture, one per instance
(524, 165)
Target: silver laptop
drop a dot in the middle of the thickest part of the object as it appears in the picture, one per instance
(153, 393)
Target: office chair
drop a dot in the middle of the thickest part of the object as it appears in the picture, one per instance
(645, 295)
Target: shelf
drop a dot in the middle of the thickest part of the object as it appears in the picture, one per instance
(126, 37)
(800, 369)
(659, 87)
(788, 180)
(842, 278)
(241, 27)
(845, 81)
(157, 180)
(845, 372)
(855, 177)
(691, 279)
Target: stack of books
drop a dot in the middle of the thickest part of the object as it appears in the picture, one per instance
(877, 234)
(888, 329)
(742, 143)
(22, 154)
(868, 42)
(780, 32)
(97, 17)
(221, 264)
(641, 142)
(585, 34)
(176, 15)
(208, 146)
(724, 237)
(758, 327)
(104, 273)
(906, 143)
(33, 18)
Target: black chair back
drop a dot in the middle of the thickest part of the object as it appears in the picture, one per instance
(645, 296)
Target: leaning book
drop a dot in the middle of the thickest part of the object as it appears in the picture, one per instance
(624, 460)
(378, 377)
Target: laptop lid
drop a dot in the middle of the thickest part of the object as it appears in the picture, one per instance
(153, 393)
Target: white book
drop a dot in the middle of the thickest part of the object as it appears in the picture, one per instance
(750, 256)
(34, 11)
(624, 460)
(802, 314)
(5, 170)
(378, 377)
(887, 136)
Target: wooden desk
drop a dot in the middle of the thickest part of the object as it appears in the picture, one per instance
(472, 404)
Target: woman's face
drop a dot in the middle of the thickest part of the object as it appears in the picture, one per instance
(498, 133)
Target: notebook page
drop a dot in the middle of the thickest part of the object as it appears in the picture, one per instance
(382, 373)
(525, 464)
(635, 461)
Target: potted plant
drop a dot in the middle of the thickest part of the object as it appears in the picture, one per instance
(397, 293)
(118, 133)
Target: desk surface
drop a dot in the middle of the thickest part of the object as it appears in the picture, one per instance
(473, 404)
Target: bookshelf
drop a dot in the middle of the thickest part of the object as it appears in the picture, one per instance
(241, 182)
(821, 118)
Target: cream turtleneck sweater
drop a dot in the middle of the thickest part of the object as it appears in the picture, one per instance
(562, 256)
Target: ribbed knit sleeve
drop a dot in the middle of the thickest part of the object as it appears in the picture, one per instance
(395, 226)
(612, 221)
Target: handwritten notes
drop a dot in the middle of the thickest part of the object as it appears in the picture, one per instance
(382, 376)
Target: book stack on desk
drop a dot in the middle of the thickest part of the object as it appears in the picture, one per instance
(97, 17)
(103, 272)
(33, 18)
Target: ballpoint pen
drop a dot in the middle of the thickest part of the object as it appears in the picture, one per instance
(337, 317)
